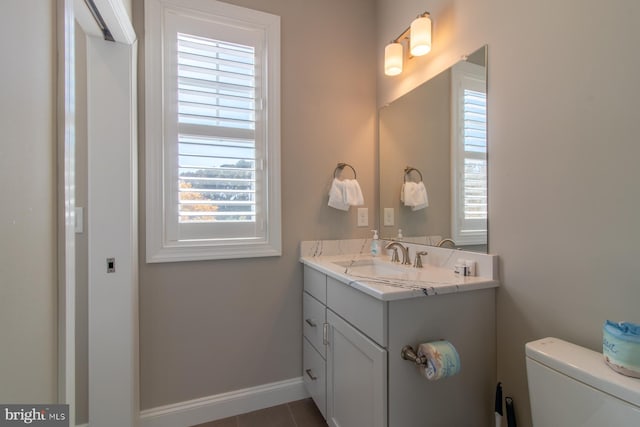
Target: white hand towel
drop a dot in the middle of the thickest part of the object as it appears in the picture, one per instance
(344, 194)
(337, 195)
(420, 197)
(414, 195)
(407, 195)
(353, 193)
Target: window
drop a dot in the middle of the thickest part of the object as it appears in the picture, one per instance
(469, 154)
(212, 131)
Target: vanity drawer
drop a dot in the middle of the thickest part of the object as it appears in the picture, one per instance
(315, 283)
(314, 315)
(363, 311)
(314, 376)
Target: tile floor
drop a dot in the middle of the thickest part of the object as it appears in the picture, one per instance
(301, 413)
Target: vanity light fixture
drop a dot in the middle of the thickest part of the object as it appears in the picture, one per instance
(393, 54)
(419, 36)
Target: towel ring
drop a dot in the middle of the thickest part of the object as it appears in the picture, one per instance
(341, 166)
(410, 169)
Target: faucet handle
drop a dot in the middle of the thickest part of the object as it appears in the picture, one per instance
(394, 255)
(417, 263)
(406, 258)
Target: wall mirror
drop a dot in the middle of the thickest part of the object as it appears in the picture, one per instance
(436, 136)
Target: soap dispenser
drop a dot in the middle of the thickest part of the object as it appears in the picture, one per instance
(400, 236)
(375, 244)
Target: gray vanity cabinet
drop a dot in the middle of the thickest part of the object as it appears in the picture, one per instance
(315, 332)
(344, 370)
(351, 355)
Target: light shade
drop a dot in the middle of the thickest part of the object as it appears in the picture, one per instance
(420, 40)
(393, 59)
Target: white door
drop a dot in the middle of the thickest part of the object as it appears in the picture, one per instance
(112, 254)
(356, 377)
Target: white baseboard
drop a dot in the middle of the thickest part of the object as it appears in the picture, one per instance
(205, 409)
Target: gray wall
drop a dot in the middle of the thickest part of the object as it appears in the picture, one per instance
(563, 172)
(217, 326)
(28, 331)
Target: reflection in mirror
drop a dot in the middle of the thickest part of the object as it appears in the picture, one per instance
(433, 160)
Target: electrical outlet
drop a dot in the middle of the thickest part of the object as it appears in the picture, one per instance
(363, 217)
(388, 217)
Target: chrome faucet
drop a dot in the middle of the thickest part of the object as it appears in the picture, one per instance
(443, 241)
(406, 260)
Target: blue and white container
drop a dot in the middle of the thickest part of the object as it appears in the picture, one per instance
(621, 347)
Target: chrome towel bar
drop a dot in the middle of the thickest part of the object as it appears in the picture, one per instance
(408, 171)
(341, 166)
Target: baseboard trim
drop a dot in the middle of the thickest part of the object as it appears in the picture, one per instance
(205, 409)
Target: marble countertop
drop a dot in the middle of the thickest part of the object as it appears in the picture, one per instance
(395, 281)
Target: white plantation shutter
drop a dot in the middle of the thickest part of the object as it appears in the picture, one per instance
(475, 156)
(469, 154)
(216, 131)
(220, 192)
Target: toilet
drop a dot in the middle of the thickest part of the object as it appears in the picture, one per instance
(571, 386)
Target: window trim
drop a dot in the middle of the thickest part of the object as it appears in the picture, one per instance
(462, 236)
(159, 248)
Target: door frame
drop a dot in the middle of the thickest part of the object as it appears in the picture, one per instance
(65, 107)
(111, 215)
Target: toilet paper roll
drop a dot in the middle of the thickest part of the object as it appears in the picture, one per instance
(442, 360)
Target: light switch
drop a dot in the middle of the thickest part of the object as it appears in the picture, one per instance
(388, 217)
(79, 216)
(363, 217)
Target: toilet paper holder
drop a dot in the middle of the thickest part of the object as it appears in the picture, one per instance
(408, 353)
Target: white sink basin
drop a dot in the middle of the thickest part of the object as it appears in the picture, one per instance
(372, 268)
(387, 281)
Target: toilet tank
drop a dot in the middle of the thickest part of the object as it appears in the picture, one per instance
(572, 386)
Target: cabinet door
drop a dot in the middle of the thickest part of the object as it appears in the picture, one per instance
(314, 318)
(356, 377)
(313, 376)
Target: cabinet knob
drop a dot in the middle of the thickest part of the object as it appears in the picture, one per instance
(313, 378)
